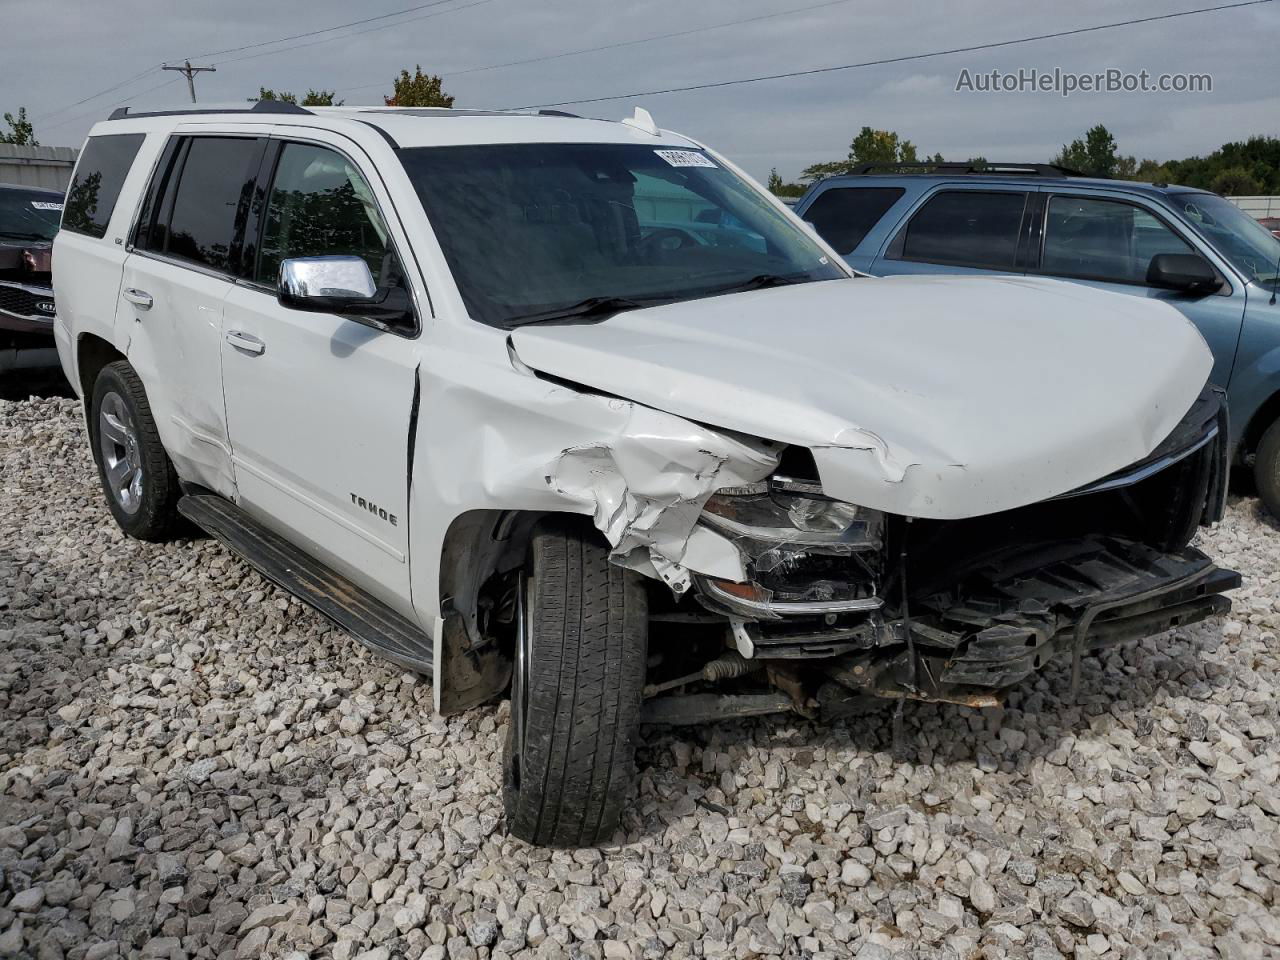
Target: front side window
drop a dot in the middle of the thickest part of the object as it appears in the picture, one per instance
(214, 178)
(844, 215)
(554, 231)
(320, 205)
(29, 214)
(99, 176)
(972, 228)
(1251, 247)
(1104, 240)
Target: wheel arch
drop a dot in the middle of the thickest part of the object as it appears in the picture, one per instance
(92, 354)
(1267, 413)
(481, 551)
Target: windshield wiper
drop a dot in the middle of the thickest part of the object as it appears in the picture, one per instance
(592, 309)
(762, 281)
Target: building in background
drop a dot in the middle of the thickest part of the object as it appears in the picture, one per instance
(37, 166)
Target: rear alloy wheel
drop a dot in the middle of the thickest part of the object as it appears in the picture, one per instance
(138, 479)
(1266, 469)
(581, 632)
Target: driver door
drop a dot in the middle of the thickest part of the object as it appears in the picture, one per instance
(318, 405)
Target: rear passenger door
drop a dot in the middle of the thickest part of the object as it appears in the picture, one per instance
(185, 257)
(959, 229)
(1108, 242)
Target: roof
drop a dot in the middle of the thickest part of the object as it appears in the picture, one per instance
(1131, 186)
(411, 126)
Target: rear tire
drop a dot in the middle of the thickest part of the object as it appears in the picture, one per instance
(576, 691)
(137, 477)
(1266, 469)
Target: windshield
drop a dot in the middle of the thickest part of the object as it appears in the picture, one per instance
(29, 214)
(545, 231)
(1241, 239)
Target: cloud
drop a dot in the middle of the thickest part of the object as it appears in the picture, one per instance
(73, 49)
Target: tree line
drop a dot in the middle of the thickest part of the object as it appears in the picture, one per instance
(1244, 168)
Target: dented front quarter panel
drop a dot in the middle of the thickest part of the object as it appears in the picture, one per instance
(493, 436)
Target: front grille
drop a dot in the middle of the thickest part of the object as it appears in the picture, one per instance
(22, 301)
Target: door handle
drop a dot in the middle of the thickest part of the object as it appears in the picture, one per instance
(245, 341)
(139, 298)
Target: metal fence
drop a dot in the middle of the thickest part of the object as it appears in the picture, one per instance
(1258, 206)
(37, 166)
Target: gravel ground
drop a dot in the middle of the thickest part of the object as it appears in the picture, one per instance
(191, 764)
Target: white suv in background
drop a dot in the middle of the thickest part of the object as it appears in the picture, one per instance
(574, 409)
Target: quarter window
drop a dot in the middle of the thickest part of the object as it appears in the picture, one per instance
(320, 205)
(844, 215)
(1104, 240)
(99, 176)
(971, 228)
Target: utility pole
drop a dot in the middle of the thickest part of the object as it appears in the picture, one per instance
(190, 72)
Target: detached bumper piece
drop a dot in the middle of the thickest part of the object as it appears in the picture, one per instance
(1015, 612)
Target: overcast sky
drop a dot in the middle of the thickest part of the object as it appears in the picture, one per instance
(60, 51)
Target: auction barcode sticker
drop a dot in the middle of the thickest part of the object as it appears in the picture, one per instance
(686, 158)
(43, 205)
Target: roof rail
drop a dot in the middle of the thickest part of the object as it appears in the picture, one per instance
(967, 168)
(558, 113)
(260, 106)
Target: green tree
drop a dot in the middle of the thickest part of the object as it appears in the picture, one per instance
(780, 188)
(869, 146)
(880, 146)
(419, 90)
(20, 129)
(1236, 182)
(313, 98)
(1095, 155)
(820, 171)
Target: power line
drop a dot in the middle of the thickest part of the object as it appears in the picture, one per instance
(623, 43)
(888, 60)
(347, 36)
(132, 96)
(312, 33)
(122, 83)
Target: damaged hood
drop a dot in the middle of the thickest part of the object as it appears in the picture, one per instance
(938, 397)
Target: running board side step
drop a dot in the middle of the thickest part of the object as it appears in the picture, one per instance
(335, 597)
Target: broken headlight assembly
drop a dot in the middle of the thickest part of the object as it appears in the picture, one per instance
(805, 554)
(782, 511)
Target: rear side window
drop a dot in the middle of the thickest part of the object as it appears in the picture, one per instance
(971, 228)
(99, 176)
(844, 215)
(197, 207)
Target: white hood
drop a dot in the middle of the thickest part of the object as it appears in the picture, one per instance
(939, 397)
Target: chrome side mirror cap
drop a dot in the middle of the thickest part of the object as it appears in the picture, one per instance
(325, 284)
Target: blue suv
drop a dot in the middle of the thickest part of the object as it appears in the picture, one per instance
(1190, 248)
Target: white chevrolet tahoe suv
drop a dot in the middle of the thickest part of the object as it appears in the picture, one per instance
(573, 409)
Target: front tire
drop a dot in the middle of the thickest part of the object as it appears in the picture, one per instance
(137, 477)
(581, 645)
(1266, 469)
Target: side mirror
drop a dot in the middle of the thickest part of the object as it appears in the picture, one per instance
(326, 284)
(1188, 272)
